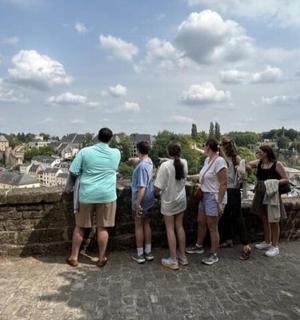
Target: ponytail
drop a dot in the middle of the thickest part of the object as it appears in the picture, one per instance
(179, 169)
(174, 150)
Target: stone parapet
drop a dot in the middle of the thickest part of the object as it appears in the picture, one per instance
(40, 221)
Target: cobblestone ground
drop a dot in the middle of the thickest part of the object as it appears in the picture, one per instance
(46, 288)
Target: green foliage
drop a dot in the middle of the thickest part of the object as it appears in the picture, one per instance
(248, 155)
(43, 151)
(274, 134)
(125, 147)
(125, 170)
(193, 157)
(296, 145)
(194, 131)
(159, 148)
(283, 142)
(243, 139)
(211, 132)
(88, 140)
(217, 131)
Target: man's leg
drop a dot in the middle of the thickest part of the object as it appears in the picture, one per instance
(77, 238)
(147, 235)
(139, 234)
(105, 217)
(102, 238)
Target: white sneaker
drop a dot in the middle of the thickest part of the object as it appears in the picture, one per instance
(272, 252)
(263, 245)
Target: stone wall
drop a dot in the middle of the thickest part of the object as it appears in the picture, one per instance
(40, 221)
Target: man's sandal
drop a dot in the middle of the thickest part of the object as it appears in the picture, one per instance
(72, 262)
(101, 263)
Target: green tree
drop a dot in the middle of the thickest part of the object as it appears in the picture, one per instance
(125, 170)
(211, 132)
(283, 142)
(193, 157)
(88, 139)
(159, 148)
(248, 155)
(194, 131)
(296, 145)
(217, 131)
(43, 151)
(124, 145)
(244, 139)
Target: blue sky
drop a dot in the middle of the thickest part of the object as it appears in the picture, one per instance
(145, 66)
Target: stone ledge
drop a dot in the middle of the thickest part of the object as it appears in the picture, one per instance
(40, 221)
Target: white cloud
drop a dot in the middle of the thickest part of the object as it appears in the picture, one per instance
(9, 95)
(69, 98)
(80, 28)
(117, 91)
(234, 76)
(130, 107)
(276, 12)
(204, 93)
(175, 118)
(163, 56)
(78, 121)
(268, 75)
(206, 38)
(280, 100)
(118, 48)
(24, 4)
(38, 71)
(11, 40)
(47, 120)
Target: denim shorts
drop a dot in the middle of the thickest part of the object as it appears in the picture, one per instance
(209, 204)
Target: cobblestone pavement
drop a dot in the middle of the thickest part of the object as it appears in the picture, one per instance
(47, 288)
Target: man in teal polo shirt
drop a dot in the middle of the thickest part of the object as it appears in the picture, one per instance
(96, 167)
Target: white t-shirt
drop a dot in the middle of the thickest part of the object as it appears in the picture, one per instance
(210, 183)
(173, 196)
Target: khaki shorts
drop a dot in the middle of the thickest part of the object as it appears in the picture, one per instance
(96, 214)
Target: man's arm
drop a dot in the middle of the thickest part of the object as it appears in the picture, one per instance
(140, 197)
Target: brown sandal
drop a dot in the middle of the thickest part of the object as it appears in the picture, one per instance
(101, 263)
(245, 254)
(72, 262)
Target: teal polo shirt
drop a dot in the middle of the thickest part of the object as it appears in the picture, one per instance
(97, 167)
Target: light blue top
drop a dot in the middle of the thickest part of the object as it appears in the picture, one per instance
(96, 167)
(142, 177)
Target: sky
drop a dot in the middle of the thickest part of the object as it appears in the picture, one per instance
(145, 66)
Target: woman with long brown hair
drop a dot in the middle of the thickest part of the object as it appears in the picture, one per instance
(170, 182)
(268, 170)
(232, 219)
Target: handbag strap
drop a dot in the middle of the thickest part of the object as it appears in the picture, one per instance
(211, 163)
